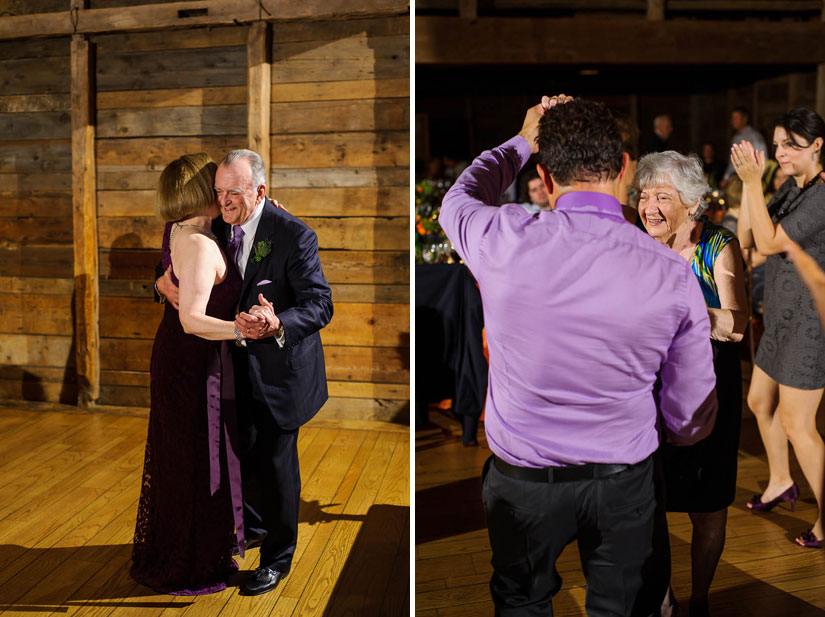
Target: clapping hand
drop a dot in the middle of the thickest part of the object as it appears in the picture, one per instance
(260, 321)
(748, 162)
(530, 128)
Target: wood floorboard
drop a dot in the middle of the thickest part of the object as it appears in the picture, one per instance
(69, 486)
(322, 522)
(762, 572)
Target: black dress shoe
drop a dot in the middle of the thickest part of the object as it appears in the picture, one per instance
(264, 579)
(253, 542)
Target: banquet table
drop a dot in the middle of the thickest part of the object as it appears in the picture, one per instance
(449, 347)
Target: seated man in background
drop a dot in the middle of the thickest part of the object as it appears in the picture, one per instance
(536, 193)
(582, 312)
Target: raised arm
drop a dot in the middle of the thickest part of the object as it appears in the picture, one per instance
(770, 239)
(729, 322)
(469, 205)
(743, 226)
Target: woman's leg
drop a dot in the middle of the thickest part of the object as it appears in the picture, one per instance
(797, 413)
(706, 547)
(763, 398)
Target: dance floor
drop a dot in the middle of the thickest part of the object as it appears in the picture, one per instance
(69, 484)
(762, 572)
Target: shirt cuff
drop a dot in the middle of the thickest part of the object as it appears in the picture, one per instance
(522, 147)
(281, 338)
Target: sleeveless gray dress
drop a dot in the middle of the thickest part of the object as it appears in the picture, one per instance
(792, 350)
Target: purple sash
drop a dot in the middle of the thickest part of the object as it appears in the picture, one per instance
(220, 392)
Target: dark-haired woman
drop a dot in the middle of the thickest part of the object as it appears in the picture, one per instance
(789, 376)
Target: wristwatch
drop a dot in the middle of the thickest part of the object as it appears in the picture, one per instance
(240, 341)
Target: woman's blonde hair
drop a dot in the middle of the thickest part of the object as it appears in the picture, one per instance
(186, 187)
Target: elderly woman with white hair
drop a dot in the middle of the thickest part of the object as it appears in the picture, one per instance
(701, 479)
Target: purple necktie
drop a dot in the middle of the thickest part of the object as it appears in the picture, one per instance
(234, 245)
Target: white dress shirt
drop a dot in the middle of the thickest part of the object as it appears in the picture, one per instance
(247, 242)
(249, 229)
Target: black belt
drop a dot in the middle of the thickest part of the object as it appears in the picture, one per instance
(571, 473)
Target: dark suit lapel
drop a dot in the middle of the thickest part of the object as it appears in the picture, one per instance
(263, 234)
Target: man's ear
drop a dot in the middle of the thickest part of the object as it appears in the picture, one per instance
(625, 163)
(261, 192)
(546, 178)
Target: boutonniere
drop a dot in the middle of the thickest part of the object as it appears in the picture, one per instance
(262, 249)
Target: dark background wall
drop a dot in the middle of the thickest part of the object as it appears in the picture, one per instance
(464, 110)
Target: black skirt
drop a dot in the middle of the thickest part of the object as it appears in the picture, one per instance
(702, 477)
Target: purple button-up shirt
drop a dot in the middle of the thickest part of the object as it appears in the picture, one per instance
(582, 311)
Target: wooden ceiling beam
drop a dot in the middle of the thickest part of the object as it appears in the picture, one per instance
(748, 6)
(738, 6)
(189, 13)
(656, 10)
(503, 40)
(468, 9)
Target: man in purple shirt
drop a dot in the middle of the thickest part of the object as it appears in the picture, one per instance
(582, 313)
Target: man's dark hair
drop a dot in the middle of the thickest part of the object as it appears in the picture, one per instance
(579, 142)
(743, 112)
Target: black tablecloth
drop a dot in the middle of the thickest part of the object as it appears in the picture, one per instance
(449, 351)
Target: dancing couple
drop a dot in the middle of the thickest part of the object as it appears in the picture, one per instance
(237, 367)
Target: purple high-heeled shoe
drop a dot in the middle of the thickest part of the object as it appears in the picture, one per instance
(756, 504)
(808, 540)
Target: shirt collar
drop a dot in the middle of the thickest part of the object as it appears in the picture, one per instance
(589, 201)
(251, 226)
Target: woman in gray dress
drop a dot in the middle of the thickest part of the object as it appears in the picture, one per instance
(789, 376)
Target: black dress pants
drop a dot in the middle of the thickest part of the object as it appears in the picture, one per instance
(271, 483)
(530, 523)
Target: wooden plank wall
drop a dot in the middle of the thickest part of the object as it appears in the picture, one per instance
(340, 161)
(159, 95)
(37, 355)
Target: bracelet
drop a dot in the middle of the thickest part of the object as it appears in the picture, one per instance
(161, 297)
(240, 341)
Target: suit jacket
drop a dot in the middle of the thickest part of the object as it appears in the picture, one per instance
(290, 381)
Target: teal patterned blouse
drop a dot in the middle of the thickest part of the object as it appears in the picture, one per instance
(713, 240)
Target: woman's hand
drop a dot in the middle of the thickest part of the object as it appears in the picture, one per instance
(748, 162)
(251, 326)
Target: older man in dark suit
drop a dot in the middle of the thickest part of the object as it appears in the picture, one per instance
(279, 373)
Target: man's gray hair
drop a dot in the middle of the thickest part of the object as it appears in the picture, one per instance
(684, 172)
(256, 164)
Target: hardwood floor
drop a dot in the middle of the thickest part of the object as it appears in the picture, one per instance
(761, 573)
(69, 484)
